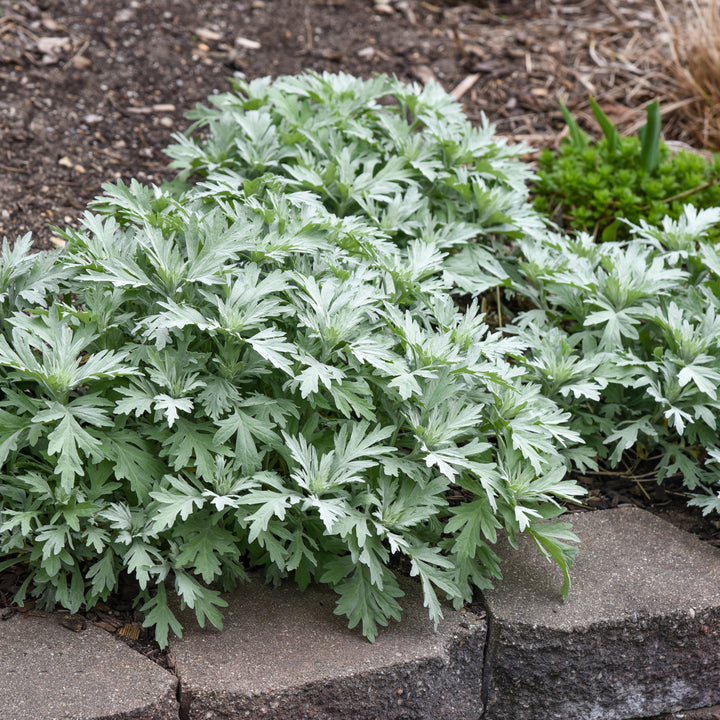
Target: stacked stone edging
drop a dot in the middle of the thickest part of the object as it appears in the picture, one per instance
(639, 635)
(48, 672)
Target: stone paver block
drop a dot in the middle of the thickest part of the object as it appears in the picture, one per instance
(48, 672)
(284, 655)
(639, 635)
(708, 713)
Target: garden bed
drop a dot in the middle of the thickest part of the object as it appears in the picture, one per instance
(124, 93)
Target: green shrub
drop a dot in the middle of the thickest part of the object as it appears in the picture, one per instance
(624, 335)
(261, 366)
(590, 186)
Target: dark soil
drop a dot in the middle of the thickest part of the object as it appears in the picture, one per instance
(92, 90)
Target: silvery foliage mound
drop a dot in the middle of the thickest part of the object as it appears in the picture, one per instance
(626, 338)
(262, 366)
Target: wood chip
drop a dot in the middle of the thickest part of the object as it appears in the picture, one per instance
(170, 659)
(130, 630)
(80, 62)
(423, 73)
(105, 626)
(464, 85)
(124, 15)
(208, 35)
(474, 49)
(53, 45)
(49, 24)
(404, 7)
(114, 622)
(146, 109)
(247, 43)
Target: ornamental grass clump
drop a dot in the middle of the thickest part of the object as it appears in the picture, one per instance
(694, 65)
(261, 366)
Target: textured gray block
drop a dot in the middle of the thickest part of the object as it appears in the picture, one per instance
(708, 713)
(639, 636)
(284, 655)
(50, 673)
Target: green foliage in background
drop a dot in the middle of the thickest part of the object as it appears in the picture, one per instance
(590, 186)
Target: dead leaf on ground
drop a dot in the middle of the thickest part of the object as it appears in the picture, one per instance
(76, 623)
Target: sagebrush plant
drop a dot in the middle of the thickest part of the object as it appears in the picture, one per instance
(592, 186)
(261, 366)
(628, 349)
(277, 362)
(626, 338)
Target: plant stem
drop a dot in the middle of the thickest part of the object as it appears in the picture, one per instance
(687, 193)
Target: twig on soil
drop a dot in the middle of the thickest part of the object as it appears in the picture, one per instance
(465, 85)
(7, 168)
(643, 490)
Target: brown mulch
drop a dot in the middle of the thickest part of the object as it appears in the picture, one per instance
(92, 90)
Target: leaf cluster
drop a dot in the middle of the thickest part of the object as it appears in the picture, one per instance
(626, 337)
(278, 363)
